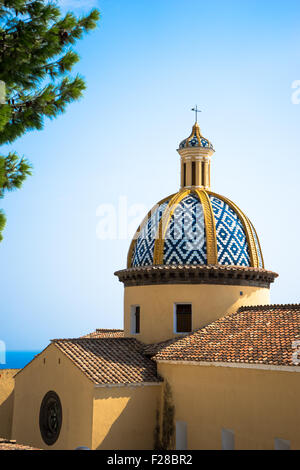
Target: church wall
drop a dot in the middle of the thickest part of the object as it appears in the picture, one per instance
(125, 417)
(258, 405)
(6, 401)
(209, 302)
(74, 389)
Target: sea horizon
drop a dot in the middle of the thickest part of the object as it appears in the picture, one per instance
(17, 359)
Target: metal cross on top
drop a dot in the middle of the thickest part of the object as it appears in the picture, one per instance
(196, 110)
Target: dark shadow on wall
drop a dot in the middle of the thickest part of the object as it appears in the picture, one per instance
(6, 416)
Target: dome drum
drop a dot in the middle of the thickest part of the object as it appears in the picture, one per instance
(195, 153)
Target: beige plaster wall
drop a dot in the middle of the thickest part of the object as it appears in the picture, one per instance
(125, 417)
(59, 374)
(258, 405)
(209, 302)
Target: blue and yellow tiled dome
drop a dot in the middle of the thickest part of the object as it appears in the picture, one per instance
(195, 226)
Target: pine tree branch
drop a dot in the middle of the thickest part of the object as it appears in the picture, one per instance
(36, 59)
(2, 224)
(13, 172)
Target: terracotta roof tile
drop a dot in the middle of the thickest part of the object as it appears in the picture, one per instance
(151, 349)
(253, 335)
(110, 360)
(104, 333)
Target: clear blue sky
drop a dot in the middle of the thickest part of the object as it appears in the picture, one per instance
(146, 65)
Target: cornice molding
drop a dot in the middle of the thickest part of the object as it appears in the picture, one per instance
(200, 274)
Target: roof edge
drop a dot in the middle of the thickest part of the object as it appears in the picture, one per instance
(252, 308)
(135, 384)
(238, 365)
(83, 338)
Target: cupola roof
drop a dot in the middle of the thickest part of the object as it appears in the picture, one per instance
(196, 139)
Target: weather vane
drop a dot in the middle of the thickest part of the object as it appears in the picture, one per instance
(196, 110)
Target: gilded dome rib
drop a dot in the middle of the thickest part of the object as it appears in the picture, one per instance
(258, 242)
(210, 227)
(195, 130)
(247, 228)
(145, 220)
(158, 256)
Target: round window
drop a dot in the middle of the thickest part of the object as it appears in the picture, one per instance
(50, 418)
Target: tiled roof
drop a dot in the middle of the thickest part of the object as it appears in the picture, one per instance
(110, 360)
(151, 349)
(102, 333)
(252, 335)
(6, 444)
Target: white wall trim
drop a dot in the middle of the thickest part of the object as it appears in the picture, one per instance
(236, 365)
(138, 384)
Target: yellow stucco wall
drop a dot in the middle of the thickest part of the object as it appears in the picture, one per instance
(258, 405)
(6, 401)
(74, 389)
(96, 417)
(124, 417)
(209, 302)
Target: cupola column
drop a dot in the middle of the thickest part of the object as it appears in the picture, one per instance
(195, 152)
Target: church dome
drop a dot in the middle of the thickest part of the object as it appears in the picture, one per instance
(196, 227)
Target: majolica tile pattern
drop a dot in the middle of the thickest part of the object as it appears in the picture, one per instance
(144, 247)
(110, 360)
(253, 335)
(195, 141)
(185, 239)
(231, 238)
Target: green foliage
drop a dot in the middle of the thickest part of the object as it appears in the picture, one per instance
(2, 224)
(36, 58)
(13, 171)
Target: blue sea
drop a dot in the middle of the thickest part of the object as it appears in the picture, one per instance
(17, 359)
